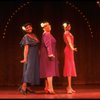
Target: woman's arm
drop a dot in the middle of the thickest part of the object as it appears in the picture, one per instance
(26, 49)
(71, 45)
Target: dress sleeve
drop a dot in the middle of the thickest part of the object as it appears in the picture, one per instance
(25, 40)
(48, 44)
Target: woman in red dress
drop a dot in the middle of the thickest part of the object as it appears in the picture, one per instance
(69, 64)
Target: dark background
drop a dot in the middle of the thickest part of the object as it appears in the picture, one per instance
(84, 17)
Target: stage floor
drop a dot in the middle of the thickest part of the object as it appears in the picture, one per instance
(82, 92)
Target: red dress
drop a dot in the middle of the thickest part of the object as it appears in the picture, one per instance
(69, 64)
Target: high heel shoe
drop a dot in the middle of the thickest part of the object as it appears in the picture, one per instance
(46, 90)
(50, 92)
(73, 91)
(69, 91)
(21, 90)
(29, 90)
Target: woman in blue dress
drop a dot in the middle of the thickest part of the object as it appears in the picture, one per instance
(31, 59)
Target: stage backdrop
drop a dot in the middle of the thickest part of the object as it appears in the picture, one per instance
(84, 18)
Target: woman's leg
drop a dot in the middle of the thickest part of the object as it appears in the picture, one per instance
(24, 85)
(46, 84)
(69, 88)
(50, 84)
(22, 88)
(69, 82)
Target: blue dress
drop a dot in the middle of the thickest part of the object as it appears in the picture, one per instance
(31, 69)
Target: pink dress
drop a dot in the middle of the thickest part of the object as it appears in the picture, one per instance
(48, 67)
(69, 64)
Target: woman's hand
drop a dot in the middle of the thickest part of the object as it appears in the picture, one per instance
(24, 61)
(75, 49)
(51, 57)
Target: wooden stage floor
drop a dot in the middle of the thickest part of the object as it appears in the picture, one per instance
(82, 92)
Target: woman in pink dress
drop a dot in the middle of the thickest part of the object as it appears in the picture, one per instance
(48, 58)
(69, 64)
